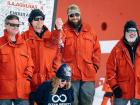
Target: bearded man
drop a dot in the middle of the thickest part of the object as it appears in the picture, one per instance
(81, 51)
(123, 67)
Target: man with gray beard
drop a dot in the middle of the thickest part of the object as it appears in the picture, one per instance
(123, 67)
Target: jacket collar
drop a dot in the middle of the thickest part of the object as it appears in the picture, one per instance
(32, 34)
(19, 39)
(122, 45)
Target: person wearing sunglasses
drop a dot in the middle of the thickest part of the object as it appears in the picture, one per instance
(57, 91)
(16, 65)
(44, 48)
(81, 51)
(123, 67)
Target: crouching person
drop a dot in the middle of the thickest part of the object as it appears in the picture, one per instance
(58, 90)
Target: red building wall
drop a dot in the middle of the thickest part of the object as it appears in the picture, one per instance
(107, 17)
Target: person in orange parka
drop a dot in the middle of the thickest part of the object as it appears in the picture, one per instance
(44, 48)
(16, 65)
(108, 94)
(123, 67)
(81, 51)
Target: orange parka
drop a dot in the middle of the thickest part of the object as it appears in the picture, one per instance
(45, 55)
(81, 51)
(121, 71)
(16, 66)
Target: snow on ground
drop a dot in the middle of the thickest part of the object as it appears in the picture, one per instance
(99, 96)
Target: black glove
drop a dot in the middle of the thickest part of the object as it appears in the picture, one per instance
(117, 92)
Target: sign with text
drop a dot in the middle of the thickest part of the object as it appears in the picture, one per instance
(22, 9)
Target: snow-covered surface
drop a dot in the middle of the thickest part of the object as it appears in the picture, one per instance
(99, 96)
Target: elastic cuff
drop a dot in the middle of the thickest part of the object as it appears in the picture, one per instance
(115, 86)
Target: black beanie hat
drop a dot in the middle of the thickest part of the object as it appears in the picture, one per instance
(34, 13)
(130, 24)
(64, 72)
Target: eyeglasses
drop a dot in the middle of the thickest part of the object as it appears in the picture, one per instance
(63, 80)
(74, 14)
(13, 25)
(129, 31)
(38, 18)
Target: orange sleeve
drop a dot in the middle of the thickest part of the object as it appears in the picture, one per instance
(96, 53)
(30, 66)
(111, 69)
(57, 61)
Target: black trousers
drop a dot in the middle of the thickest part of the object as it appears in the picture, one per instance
(31, 98)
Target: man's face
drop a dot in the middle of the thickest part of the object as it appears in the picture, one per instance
(12, 26)
(74, 19)
(131, 35)
(38, 22)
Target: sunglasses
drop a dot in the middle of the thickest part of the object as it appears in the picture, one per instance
(63, 80)
(74, 14)
(131, 30)
(13, 25)
(38, 18)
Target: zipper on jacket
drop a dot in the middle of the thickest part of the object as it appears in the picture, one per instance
(133, 55)
(15, 70)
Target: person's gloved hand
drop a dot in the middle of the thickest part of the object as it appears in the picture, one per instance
(117, 92)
